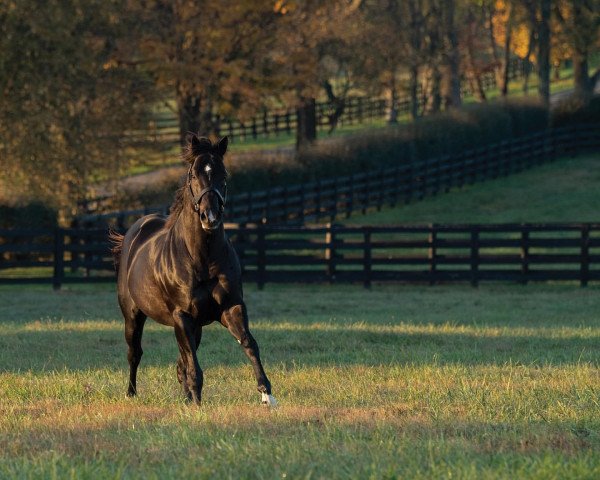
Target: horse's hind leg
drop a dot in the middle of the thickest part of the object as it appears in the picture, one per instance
(134, 327)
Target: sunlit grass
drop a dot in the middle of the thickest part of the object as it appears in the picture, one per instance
(416, 382)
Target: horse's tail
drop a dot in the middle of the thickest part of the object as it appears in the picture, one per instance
(116, 239)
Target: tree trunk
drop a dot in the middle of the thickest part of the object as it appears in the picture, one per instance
(475, 80)
(393, 115)
(506, 56)
(583, 85)
(188, 109)
(544, 52)
(338, 103)
(306, 132)
(436, 91)
(453, 55)
(414, 91)
(527, 61)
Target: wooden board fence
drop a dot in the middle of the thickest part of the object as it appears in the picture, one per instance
(428, 254)
(332, 198)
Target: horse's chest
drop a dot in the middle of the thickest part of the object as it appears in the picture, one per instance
(203, 306)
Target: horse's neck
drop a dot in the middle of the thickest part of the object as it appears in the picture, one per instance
(198, 243)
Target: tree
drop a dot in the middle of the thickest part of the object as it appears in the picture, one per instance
(579, 21)
(544, 51)
(452, 56)
(382, 52)
(66, 104)
(209, 56)
(308, 34)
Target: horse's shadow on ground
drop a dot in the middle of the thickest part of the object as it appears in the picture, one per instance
(105, 349)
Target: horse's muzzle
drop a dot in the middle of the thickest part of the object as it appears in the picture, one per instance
(209, 220)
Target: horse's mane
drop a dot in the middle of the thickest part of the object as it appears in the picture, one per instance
(176, 207)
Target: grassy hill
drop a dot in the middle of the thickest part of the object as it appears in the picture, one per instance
(567, 190)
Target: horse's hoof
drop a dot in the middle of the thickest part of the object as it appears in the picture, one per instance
(268, 400)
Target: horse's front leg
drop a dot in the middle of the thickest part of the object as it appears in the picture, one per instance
(181, 367)
(188, 369)
(235, 319)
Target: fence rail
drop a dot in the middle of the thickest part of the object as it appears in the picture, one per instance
(356, 110)
(427, 254)
(332, 198)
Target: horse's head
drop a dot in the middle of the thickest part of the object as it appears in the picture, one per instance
(207, 180)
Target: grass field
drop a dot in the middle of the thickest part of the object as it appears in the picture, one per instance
(412, 382)
(567, 190)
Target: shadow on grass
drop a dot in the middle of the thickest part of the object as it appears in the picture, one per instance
(304, 346)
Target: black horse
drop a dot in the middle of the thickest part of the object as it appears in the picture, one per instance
(183, 272)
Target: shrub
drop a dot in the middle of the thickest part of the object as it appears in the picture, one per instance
(574, 111)
(446, 133)
(31, 215)
(443, 134)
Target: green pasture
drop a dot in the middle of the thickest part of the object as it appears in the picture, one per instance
(395, 382)
(567, 190)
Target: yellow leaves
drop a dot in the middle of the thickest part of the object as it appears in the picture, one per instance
(112, 63)
(507, 20)
(280, 7)
(520, 40)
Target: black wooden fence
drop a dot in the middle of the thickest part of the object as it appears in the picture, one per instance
(332, 198)
(357, 110)
(428, 254)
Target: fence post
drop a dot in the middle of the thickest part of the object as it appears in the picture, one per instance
(302, 206)
(267, 210)
(284, 206)
(330, 252)
(395, 187)
(365, 193)
(432, 252)
(422, 185)
(334, 198)
(254, 128)
(585, 255)
(367, 260)
(288, 125)
(524, 253)
(249, 218)
(59, 252)
(382, 177)
(410, 179)
(318, 200)
(350, 196)
(474, 257)
(261, 257)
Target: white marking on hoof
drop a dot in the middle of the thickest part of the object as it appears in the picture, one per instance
(268, 400)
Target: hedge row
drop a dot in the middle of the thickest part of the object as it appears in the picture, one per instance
(435, 135)
(446, 133)
(31, 215)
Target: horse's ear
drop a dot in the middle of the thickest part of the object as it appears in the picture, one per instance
(200, 145)
(222, 145)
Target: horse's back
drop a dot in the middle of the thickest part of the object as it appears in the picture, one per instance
(138, 235)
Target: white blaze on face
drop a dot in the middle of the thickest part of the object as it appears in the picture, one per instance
(208, 169)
